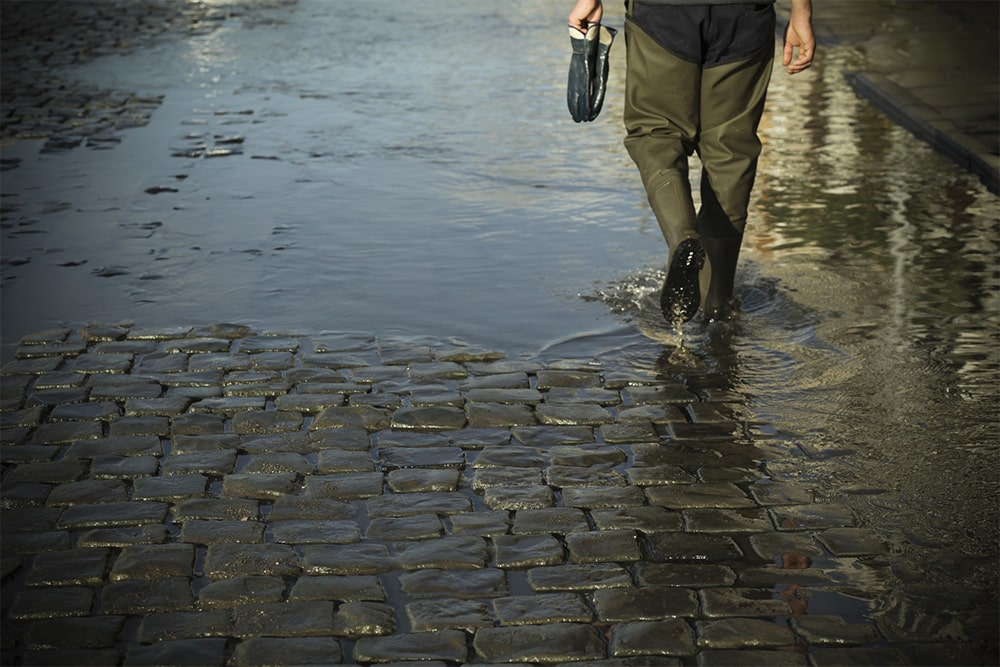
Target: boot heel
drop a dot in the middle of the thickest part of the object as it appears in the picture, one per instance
(681, 294)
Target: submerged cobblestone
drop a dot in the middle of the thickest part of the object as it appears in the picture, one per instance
(525, 515)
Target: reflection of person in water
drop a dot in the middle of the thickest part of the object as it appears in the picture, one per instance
(798, 605)
(697, 76)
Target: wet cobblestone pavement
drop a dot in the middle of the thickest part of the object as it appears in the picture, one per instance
(38, 38)
(216, 496)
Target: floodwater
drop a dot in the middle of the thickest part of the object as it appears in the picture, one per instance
(411, 169)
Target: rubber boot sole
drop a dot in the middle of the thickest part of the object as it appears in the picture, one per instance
(681, 295)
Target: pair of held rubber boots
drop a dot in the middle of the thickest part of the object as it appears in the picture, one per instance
(588, 71)
(690, 284)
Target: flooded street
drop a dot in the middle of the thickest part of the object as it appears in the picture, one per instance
(410, 169)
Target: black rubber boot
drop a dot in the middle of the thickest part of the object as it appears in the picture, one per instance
(681, 293)
(588, 71)
(723, 255)
(580, 64)
(602, 63)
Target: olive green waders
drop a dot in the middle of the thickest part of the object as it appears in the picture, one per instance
(673, 108)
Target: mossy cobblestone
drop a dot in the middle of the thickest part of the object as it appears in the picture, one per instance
(253, 494)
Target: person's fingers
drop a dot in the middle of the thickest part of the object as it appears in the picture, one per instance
(801, 63)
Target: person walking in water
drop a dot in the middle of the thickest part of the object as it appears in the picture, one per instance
(697, 73)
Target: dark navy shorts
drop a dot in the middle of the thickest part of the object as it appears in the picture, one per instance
(709, 34)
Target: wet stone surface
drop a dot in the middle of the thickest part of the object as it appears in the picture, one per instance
(492, 529)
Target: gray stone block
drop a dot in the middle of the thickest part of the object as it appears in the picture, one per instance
(277, 463)
(583, 577)
(558, 642)
(210, 652)
(405, 528)
(111, 515)
(225, 561)
(174, 488)
(137, 597)
(563, 476)
(258, 486)
(710, 520)
(304, 531)
(659, 475)
(612, 546)
(219, 532)
(603, 497)
(34, 604)
(573, 414)
(342, 588)
(523, 551)
(553, 436)
(452, 552)
(268, 651)
(670, 637)
(242, 590)
(492, 415)
(123, 537)
(184, 625)
(409, 504)
(347, 559)
(303, 507)
(744, 602)
(484, 478)
(559, 520)
(434, 418)
(687, 496)
(73, 567)
(152, 562)
(693, 548)
(437, 583)
(125, 426)
(447, 645)
(263, 422)
(647, 519)
(423, 481)
(88, 491)
(738, 633)
(75, 633)
(518, 497)
(647, 603)
(511, 456)
(307, 618)
(364, 619)
(448, 613)
(682, 574)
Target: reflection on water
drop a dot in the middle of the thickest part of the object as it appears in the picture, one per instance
(868, 343)
(411, 168)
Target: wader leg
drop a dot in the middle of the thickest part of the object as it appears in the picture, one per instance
(661, 121)
(733, 97)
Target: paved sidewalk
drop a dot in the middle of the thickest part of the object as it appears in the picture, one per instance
(211, 496)
(932, 67)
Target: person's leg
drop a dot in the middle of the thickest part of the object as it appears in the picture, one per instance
(732, 101)
(661, 121)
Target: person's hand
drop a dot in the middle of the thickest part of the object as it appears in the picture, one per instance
(799, 35)
(585, 13)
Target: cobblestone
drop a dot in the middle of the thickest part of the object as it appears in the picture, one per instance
(234, 527)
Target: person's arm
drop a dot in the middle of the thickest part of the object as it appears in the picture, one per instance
(586, 12)
(798, 35)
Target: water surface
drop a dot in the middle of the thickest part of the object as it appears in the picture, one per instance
(410, 169)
